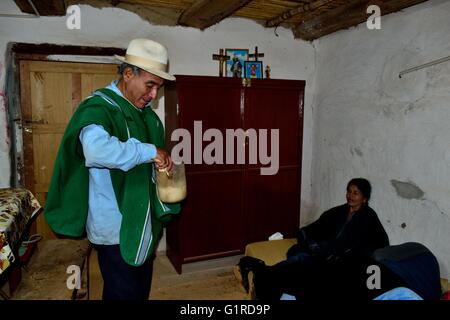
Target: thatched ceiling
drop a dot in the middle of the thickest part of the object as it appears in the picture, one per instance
(309, 19)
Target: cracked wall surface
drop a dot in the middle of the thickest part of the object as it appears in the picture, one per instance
(407, 190)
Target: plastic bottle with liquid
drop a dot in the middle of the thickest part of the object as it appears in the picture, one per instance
(171, 185)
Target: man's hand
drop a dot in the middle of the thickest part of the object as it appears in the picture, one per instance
(163, 160)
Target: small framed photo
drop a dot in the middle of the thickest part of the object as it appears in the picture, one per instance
(235, 65)
(253, 69)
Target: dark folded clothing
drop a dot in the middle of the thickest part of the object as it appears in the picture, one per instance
(416, 265)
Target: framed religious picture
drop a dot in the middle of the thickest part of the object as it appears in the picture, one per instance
(253, 69)
(235, 65)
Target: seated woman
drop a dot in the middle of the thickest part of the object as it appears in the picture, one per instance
(333, 250)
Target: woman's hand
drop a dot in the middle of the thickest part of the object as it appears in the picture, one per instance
(163, 160)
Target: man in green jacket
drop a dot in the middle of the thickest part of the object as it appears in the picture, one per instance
(103, 180)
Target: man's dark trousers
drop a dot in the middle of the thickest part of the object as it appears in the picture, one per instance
(121, 280)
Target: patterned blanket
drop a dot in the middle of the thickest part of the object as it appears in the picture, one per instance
(17, 207)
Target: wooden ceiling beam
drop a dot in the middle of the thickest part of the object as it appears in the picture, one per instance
(321, 11)
(205, 13)
(43, 7)
(307, 7)
(311, 23)
(347, 16)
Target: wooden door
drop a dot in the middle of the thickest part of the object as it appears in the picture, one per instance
(272, 202)
(211, 221)
(50, 93)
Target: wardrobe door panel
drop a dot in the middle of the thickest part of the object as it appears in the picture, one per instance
(277, 104)
(212, 216)
(205, 104)
(271, 203)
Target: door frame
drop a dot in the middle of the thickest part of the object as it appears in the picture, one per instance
(21, 145)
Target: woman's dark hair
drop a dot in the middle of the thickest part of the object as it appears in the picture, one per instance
(363, 185)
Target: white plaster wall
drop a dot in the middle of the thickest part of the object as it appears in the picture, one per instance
(190, 52)
(371, 123)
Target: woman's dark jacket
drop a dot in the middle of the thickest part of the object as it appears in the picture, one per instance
(333, 236)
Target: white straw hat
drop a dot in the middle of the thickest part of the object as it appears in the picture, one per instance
(148, 55)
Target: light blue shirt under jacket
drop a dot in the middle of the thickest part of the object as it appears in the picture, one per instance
(103, 152)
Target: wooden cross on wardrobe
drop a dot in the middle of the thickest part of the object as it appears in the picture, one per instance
(256, 55)
(221, 58)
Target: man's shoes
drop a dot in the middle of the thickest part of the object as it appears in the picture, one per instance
(245, 265)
